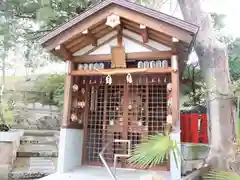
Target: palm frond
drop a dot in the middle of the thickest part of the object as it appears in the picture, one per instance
(221, 175)
(154, 151)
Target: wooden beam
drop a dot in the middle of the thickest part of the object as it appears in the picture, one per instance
(80, 37)
(63, 52)
(120, 36)
(129, 56)
(79, 27)
(92, 38)
(79, 46)
(100, 45)
(87, 41)
(145, 35)
(120, 71)
(125, 21)
(74, 42)
(154, 24)
(140, 43)
(165, 41)
(161, 41)
(160, 35)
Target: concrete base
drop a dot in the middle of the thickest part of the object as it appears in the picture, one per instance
(70, 149)
(100, 173)
(175, 167)
(9, 144)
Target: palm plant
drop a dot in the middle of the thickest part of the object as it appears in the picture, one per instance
(221, 175)
(154, 150)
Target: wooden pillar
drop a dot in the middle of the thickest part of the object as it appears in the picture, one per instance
(175, 91)
(175, 135)
(68, 95)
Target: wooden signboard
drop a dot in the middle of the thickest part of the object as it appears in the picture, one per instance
(118, 57)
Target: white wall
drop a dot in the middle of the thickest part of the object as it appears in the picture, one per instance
(130, 45)
(70, 149)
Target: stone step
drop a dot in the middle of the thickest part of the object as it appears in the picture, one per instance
(40, 133)
(33, 168)
(28, 175)
(38, 140)
(37, 150)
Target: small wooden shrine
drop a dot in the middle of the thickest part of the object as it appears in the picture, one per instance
(124, 64)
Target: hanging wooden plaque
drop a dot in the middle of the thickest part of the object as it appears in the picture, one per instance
(118, 57)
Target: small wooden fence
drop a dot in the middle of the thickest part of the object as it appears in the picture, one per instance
(194, 128)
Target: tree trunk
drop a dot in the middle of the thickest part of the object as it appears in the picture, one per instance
(213, 59)
(3, 69)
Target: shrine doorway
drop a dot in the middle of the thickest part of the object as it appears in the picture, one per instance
(124, 111)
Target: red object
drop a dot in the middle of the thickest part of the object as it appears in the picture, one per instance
(194, 128)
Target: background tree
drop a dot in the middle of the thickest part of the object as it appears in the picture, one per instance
(213, 60)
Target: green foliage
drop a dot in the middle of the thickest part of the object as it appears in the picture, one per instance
(193, 86)
(234, 59)
(218, 20)
(52, 86)
(50, 13)
(6, 114)
(221, 175)
(154, 151)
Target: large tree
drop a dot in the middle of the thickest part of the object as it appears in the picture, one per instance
(213, 59)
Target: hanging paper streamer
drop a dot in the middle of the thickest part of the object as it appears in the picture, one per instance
(83, 91)
(169, 90)
(129, 78)
(169, 100)
(169, 119)
(169, 87)
(109, 80)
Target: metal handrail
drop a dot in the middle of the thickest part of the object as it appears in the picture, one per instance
(116, 156)
(113, 175)
(104, 161)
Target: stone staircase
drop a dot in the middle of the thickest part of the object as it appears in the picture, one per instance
(36, 156)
